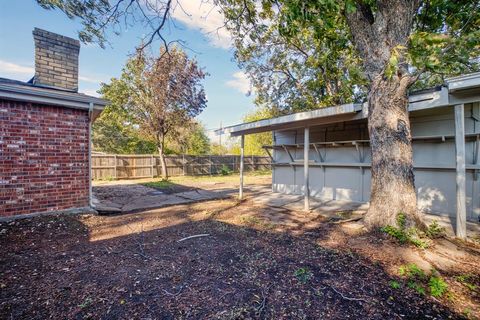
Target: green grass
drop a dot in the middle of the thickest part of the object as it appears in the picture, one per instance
(437, 286)
(467, 281)
(303, 275)
(234, 177)
(395, 284)
(161, 184)
(418, 280)
(404, 234)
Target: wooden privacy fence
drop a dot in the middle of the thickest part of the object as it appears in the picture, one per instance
(142, 166)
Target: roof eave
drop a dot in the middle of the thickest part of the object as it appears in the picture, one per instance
(463, 82)
(292, 120)
(51, 97)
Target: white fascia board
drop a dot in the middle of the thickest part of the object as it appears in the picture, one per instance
(269, 124)
(461, 89)
(427, 100)
(463, 82)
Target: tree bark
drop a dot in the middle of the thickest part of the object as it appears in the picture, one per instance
(375, 34)
(393, 187)
(163, 162)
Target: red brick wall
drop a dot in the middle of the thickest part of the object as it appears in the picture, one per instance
(43, 158)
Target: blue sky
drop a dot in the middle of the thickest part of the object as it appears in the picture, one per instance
(226, 86)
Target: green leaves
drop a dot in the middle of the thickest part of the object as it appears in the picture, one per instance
(303, 55)
(155, 99)
(396, 55)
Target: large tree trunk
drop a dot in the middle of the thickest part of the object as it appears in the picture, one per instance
(377, 33)
(393, 188)
(163, 162)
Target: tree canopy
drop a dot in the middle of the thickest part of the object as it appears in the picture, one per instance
(156, 98)
(301, 54)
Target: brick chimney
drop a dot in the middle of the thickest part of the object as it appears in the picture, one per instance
(56, 60)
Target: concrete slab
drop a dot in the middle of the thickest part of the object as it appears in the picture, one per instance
(334, 209)
(340, 205)
(152, 202)
(276, 199)
(202, 195)
(133, 197)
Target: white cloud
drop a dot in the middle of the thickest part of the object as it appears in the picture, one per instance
(240, 82)
(90, 92)
(9, 69)
(206, 17)
(89, 79)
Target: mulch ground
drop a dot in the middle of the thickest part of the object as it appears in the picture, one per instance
(89, 267)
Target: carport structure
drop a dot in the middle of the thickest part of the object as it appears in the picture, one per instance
(331, 146)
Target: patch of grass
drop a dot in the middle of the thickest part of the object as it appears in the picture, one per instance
(411, 271)
(85, 303)
(396, 233)
(395, 284)
(419, 243)
(161, 184)
(466, 280)
(434, 230)
(404, 235)
(303, 275)
(259, 173)
(437, 286)
(467, 312)
(252, 220)
(419, 281)
(416, 286)
(225, 170)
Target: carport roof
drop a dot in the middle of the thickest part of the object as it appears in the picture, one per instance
(461, 89)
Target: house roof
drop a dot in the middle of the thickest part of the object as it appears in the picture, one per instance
(461, 89)
(26, 91)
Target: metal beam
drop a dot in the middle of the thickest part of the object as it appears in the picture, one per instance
(242, 150)
(306, 151)
(461, 227)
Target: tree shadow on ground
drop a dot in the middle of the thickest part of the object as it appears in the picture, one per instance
(58, 267)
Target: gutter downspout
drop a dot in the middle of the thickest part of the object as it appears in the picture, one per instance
(90, 111)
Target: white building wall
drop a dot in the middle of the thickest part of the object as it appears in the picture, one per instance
(342, 179)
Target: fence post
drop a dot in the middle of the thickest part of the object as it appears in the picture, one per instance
(152, 165)
(115, 168)
(210, 160)
(183, 163)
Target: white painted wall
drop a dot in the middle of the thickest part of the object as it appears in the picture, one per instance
(435, 187)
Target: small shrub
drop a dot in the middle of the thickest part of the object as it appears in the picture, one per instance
(418, 280)
(404, 235)
(225, 170)
(396, 233)
(416, 286)
(303, 275)
(437, 286)
(419, 243)
(434, 230)
(401, 220)
(395, 284)
(411, 271)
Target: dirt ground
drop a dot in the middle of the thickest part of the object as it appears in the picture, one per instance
(245, 265)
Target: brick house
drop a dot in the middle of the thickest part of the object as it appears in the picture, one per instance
(45, 133)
